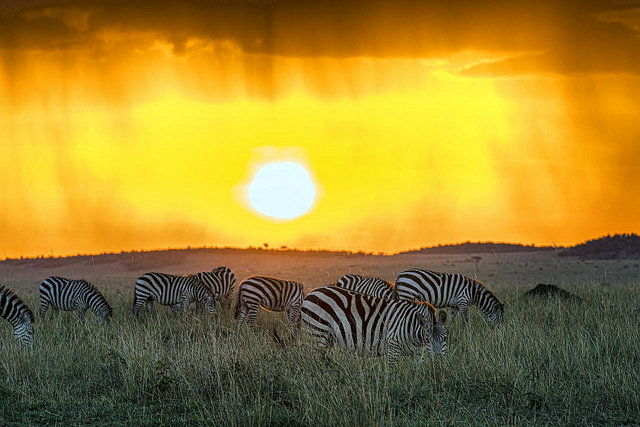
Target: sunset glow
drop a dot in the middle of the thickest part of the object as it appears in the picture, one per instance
(142, 125)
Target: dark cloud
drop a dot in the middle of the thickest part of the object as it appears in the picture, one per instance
(567, 37)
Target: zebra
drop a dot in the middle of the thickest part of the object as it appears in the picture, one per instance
(449, 290)
(369, 286)
(378, 326)
(221, 281)
(16, 312)
(69, 294)
(168, 289)
(271, 294)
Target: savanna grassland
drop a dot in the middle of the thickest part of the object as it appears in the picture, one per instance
(553, 362)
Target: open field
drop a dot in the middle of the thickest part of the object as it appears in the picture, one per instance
(553, 362)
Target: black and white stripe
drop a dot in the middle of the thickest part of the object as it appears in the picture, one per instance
(221, 282)
(271, 294)
(178, 292)
(16, 312)
(361, 322)
(69, 294)
(373, 286)
(449, 290)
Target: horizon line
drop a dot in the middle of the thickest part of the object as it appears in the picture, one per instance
(285, 248)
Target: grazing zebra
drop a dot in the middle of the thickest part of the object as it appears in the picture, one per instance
(369, 286)
(221, 281)
(16, 312)
(175, 291)
(449, 290)
(361, 322)
(271, 294)
(68, 294)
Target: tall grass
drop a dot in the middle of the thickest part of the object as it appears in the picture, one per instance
(551, 363)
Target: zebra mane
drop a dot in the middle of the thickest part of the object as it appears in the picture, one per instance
(475, 281)
(392, 285)
(23, 308)
(301, 286)
(90, 285)
(417, 303)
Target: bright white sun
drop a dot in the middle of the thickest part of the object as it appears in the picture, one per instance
(282, 190)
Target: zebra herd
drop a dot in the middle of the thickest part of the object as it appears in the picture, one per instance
(358, 312)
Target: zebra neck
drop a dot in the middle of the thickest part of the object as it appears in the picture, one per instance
(471, 291)
(96, 306)
(16, 322)
(485, 301)
(90, 300)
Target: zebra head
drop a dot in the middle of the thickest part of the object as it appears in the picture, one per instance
(203, 295)
(221, 271)
(23, 331)
(104, 314)
(432, 332)
(425, 323)
(439, 335)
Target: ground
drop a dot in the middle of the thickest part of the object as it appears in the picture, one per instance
(111, 271)
(553, 362)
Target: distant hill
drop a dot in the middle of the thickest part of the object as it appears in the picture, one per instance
(606, 247)
(618, 246)
(479, 247)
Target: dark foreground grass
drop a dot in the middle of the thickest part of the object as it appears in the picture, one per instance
(551, 363)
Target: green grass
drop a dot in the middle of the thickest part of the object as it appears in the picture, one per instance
(551, 363)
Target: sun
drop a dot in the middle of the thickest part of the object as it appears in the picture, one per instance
(282, 190)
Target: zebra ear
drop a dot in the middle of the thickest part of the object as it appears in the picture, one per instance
(442, 317)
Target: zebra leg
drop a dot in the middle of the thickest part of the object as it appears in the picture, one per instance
(294, 316)
(54, 312)
(149, 306)
(393, 351)
(418, 358)
(183, 304)
(242, 313)
(295, 320)
(187, 303)
(137, 303)
(252, 314)
(199, 307)
(44, 305)
(463, 314)
(419, 352)
(81, 314)
(226, 302)
(291, 316)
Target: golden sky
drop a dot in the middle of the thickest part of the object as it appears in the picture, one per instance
(138, 125)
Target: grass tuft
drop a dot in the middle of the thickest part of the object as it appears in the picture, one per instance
(552, 362)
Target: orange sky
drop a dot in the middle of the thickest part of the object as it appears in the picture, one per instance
(137, 125)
